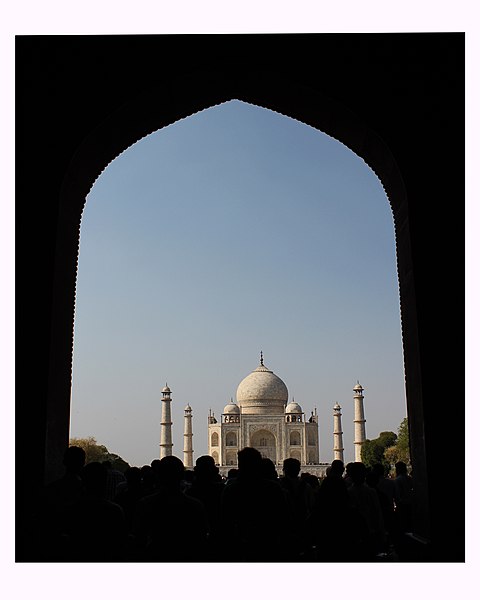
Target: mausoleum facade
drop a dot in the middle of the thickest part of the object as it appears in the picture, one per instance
(263, 418)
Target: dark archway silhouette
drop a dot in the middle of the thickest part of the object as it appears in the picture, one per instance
(84, 100)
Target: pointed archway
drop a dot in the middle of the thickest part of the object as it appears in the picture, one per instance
(361, 90)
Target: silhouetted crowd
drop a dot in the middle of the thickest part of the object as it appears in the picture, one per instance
(164, 512)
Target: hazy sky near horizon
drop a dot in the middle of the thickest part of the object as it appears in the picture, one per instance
(233, 231)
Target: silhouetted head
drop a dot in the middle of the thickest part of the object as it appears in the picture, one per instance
(205, 468)
(170, 471)
(400, 468)
(155, 463)
(133, 475)
(348, 469)
(232, 473)
(312, 480)
(268, 469)
(291, 467)
(337, 468)
(358, 472)
(148, 476)
(94, 476)
(155, 468)
(249, 462)
(74, 459)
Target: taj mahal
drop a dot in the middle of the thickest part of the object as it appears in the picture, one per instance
(263, 418)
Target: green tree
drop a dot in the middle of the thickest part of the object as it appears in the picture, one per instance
(98, 453)
(373, 451)
(401, 450)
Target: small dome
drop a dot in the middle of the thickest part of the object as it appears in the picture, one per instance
(357, 387)
(231, 408)
(294, 407)
(166, 390)
(188, 408)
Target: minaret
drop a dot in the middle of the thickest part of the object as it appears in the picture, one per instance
(337, 433)
(188, 438)
(166, 424)
(359, 421)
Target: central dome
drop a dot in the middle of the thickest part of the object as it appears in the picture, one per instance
(262, 392)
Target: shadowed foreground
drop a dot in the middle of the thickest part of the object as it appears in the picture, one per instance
(163, 512)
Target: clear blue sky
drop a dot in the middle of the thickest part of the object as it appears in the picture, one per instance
(233, 231)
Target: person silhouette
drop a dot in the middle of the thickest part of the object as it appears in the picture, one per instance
(115, 478)
(403, 495)
(130, 494)
(329, 527)
(253, 509)
(50, 511)
(207, 487)
(268, 469)
(96, 526)
(169, 525)
(300, 499)
(368, 519)
(386, 493)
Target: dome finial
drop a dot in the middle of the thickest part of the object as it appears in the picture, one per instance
(261, 358)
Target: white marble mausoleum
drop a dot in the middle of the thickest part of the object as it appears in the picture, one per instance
(263, 418)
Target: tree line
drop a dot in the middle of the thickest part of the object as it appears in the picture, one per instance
(389, 448)
(95, 452)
